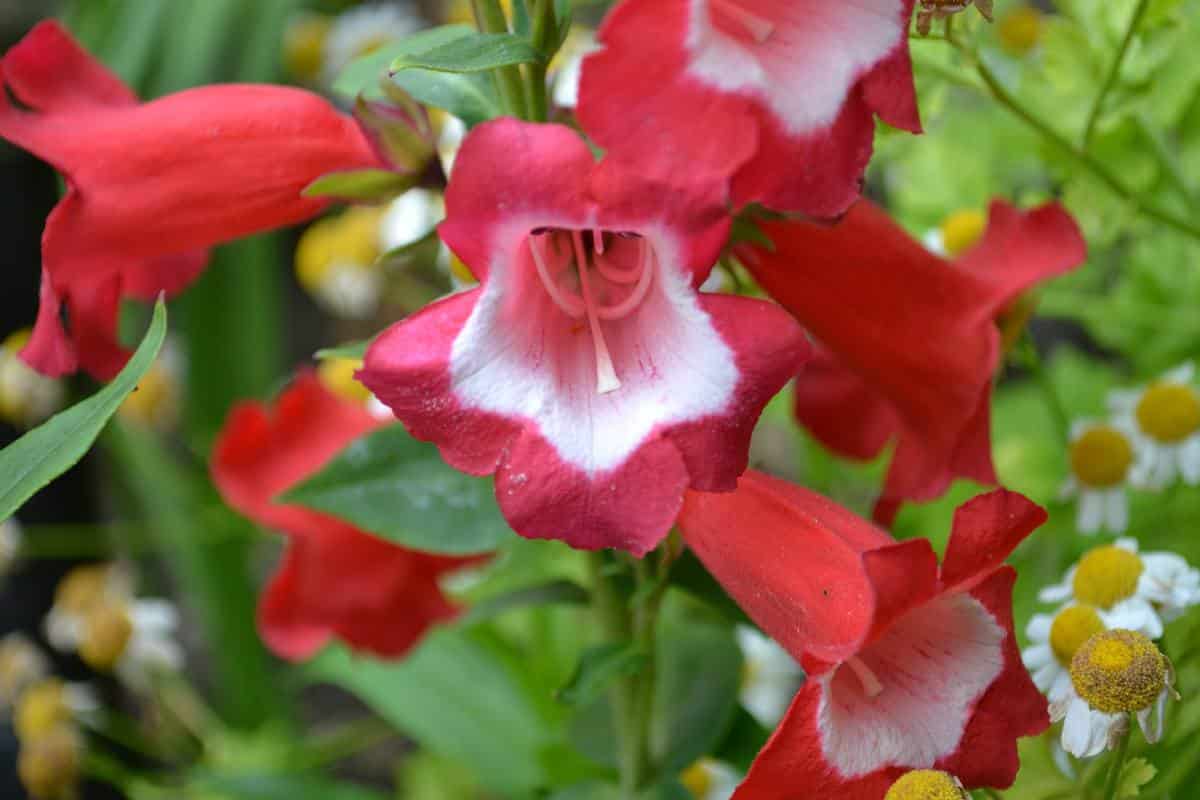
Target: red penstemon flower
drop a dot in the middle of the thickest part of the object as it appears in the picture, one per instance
(586, 371)
(777, 95)
(150, 186)
(908, 665)
(335, 581)
(909, 343)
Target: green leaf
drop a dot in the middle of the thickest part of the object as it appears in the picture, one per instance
(281, 787)
(1136, 773)
(354, 350)
(458, 700)
(50, 449)
(400, 489)
(478, 52)
(598, 667)
(363, 184)
(362, 75)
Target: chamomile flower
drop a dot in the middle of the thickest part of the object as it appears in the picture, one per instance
(1054, 640)
(1129, 590)
(337, 375)
(22, 665)
(927, 784)
(770, 677)
(26, 396)
(49, 766)
(48, 703)
(336, 262)
(1020, 29)
(304, 45)
(10, 544)
(957, 233)
(1166, 416)
(709, 779)
(362, 30)
(1101, 457)
(1115, 674)
(157, 401)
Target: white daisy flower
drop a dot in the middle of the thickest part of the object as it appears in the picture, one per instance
(336, 262)
(27, 397)
(709, 779)
(1101, 457)
(364, 29)
(10, 543)
(770, 677)
(80, 590)
(1138, 592)
(1166, 416)
(1115, 674)
(1054, 640)
(22, 665)
(957, 233)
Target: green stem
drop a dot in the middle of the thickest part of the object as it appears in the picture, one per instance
(1114, 773)
(1166, 161)
(541, 13)
(1081, 157)
(1114, 72)
(1033, 362)
(347, 740)
(489, 18)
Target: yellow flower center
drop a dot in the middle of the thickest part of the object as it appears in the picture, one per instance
(304, 46)
(1101, 457)
(152, 402)
(337, 375)
(1106, 575)
(349, 239)
(1073, 626)
(698, 778)
(1020, 30)
(1169, 412)
(961, 230)
(82, 588)
(21, 665)
(926, 784)
(1119, 671)
(40, 708)
(49, 765)
(106, 633)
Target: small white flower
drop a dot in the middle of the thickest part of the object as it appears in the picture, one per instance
(770, 677)
(709, 779)
(1101, 457)
(1137, 592)
(1166, 416)
(336, 262)
(361, 30)
(1054, 639)
(22, 664)
(410, 218)
(27, 397)
(152, 647)
(579, 44)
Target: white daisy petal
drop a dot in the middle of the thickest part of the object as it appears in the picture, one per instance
(1090, 515)
(1116, 510)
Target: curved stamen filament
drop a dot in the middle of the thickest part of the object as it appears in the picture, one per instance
(870, 682)
(571, 305)
(606, 376)
(646, 273)
(616, 274)
(758, 27)
(598, 240)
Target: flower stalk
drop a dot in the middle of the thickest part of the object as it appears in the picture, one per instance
(541, 13)
(1114, 72)
(1118, 763)
(489, 18)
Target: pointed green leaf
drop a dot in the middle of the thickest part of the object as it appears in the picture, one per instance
(50, 449)
(478, 52)
(363, 184)
(354, 350)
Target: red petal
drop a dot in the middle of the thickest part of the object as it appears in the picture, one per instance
(827, 396)
(985, 531)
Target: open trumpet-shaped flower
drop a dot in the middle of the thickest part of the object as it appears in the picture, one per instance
(143, 197)
(777, 95)
(909, 341)
(335, 581)
(910, 665)
(585, 371)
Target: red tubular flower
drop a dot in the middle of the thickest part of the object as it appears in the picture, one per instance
(778, 95)
(335, 581)
(150, 186)
(910, 666)
(909, 340)
(585, 371)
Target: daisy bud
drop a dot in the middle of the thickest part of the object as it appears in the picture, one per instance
(49, 765)
(1119, 671)
(40, 709)
(107, 630)
(927, 784)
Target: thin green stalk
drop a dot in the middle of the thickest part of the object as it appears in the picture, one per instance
(1114, 72)
(1114, 773)
(1167, 161)
(541, 14)
(1033, 362)
(489, 18)
(347, 740)
(1081, 157)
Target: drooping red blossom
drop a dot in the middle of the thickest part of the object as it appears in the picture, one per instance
(908, 340)
(909, 665)
(585, 371)
(335, 581)
(779, 96)
(151, 186)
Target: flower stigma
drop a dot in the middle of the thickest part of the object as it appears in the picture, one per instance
(607, 291)
(729, 16)
(870, 682)
(1169, 412)
(1071, 627)
(1106, 575)
(1101, 456)
(1119, 671)
(926, 784)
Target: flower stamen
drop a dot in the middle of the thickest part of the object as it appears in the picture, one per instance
(606, 375)
(870, 682)
(645, 273)
(569, 303)
(760, 29)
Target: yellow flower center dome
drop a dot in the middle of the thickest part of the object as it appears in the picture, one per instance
(961, 230)
(1119, 671)
(1101, 457)
(1071, 627)
(1106, 576)
(926, 784)
(1169, 412)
